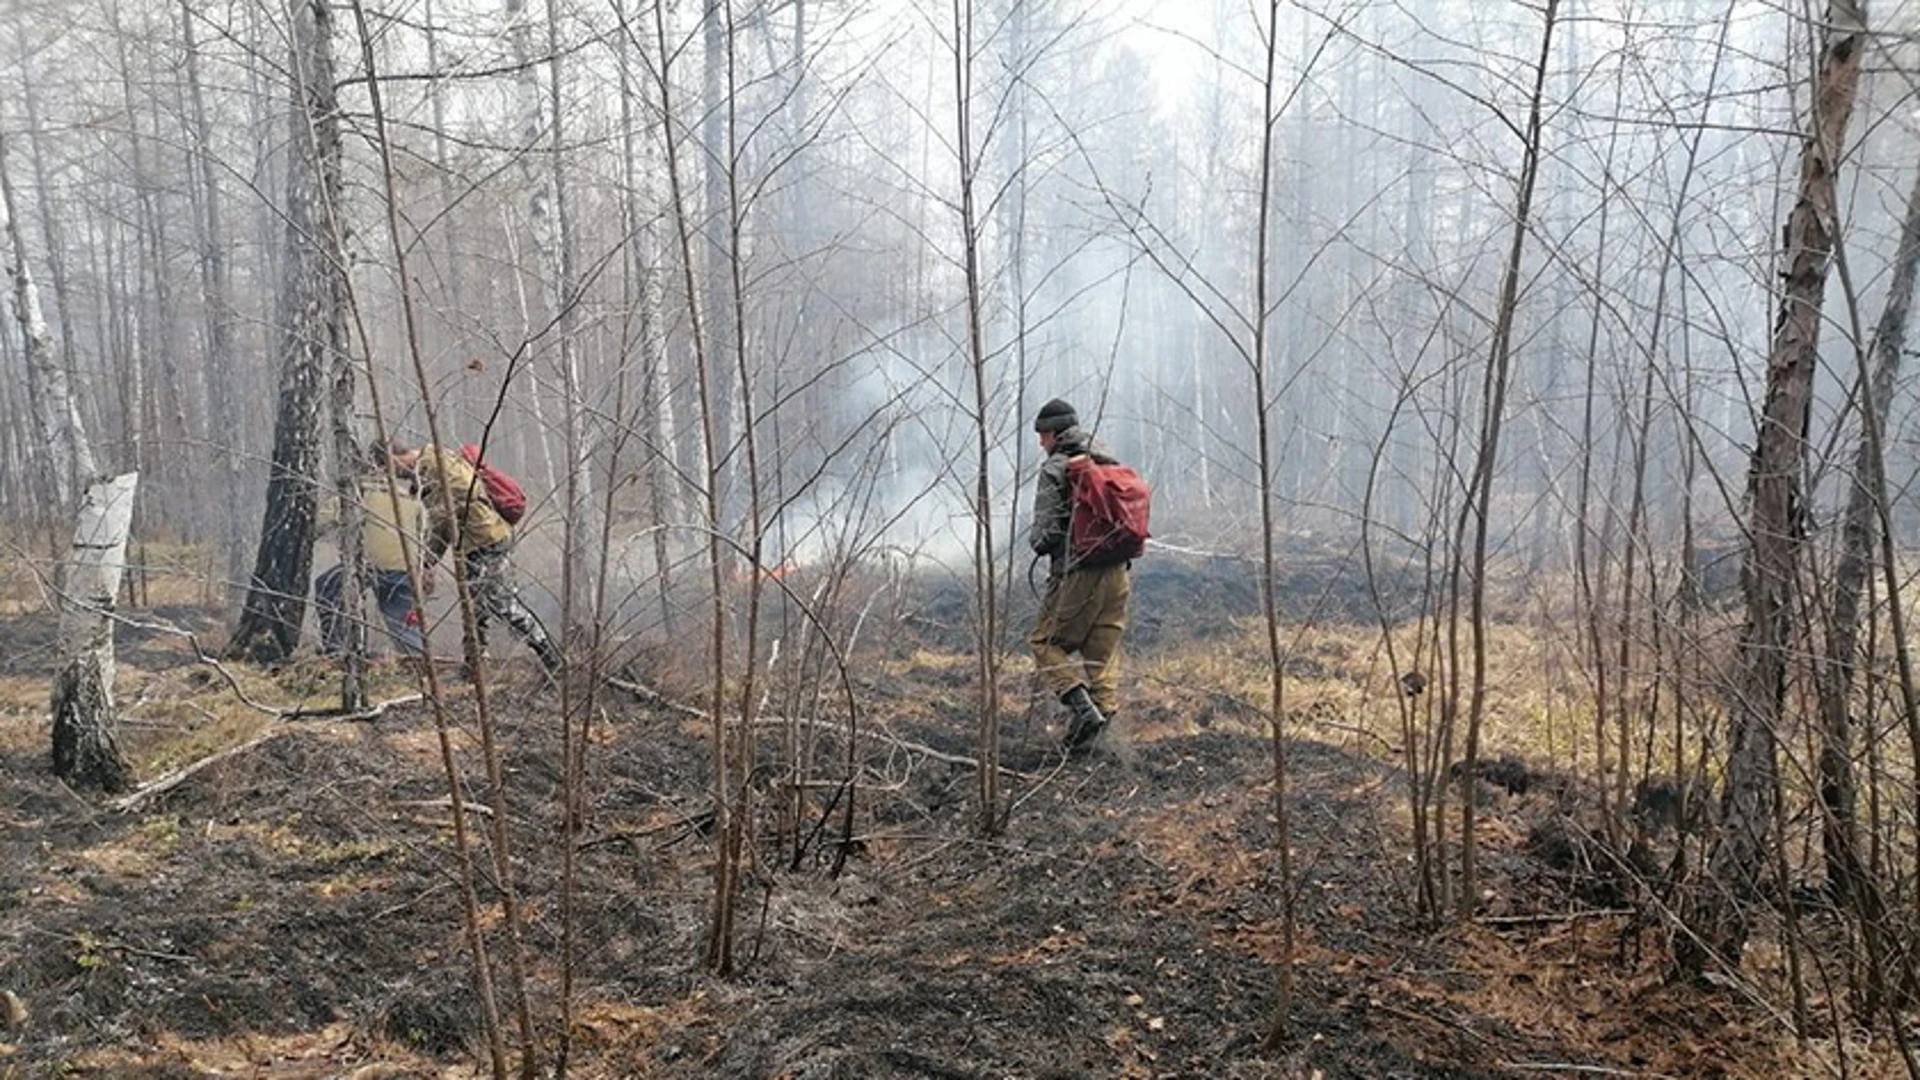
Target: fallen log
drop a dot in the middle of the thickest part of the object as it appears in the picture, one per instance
(871, 733)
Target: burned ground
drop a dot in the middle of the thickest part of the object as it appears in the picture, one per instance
(1180, 600)
(296, 911)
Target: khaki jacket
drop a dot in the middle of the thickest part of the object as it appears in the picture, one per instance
(382, 521)
(475, 524)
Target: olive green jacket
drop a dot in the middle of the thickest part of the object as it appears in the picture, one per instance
(1052, 526)
(475, 524)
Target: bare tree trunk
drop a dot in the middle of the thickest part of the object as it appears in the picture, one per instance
(1279, 1022)
(1015, 149)
(348, 469)
(270, 172)
(718, 390)
(732, 843)
(67, 454)
(541, 122)
(18, 484)
(1859, 536)
(311, 329)
(114, 328)
(986, 597)
(719, 954)
(216, 298)
(643, 296)
(1640, 435)
(1590, 566)
(153, 300)
(555, 235)
(443, 172)
(500, 835)
(85, 751)
(1480, 498)
(49, 232)
(1719, 917)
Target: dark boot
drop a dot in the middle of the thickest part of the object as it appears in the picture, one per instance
(551, 657)
(1085, 724)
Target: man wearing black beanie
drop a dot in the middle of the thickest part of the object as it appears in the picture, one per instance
(1084, 610)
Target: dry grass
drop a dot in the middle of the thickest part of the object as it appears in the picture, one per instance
(1341, 686)
(336, 1052)
(1568, 984)
(174, 717)
(162, 574)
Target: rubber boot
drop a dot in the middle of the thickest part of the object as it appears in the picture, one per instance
(1085, 724)
(550, 657)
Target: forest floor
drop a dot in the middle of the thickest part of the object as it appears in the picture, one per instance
(295, 910)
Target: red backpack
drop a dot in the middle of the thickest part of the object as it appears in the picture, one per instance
(509, 499)
(1111, 503)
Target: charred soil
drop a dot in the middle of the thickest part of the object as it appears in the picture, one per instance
(296, 911)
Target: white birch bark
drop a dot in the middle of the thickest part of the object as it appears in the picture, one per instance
(85, 752)
(57, 423)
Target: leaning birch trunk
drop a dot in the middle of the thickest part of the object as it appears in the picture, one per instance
(1719, 916)
(85, 753)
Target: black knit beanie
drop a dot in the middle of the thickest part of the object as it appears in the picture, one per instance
(1055, 415)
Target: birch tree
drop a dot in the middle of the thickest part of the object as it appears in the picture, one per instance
(66, 454)
(1720, 919)
(86, 752)
(216, 299)
(312, 329)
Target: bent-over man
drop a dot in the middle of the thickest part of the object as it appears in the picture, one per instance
(479, 538)
(383, 519)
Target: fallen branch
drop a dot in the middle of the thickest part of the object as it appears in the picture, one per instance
(371, 712)
(90, 943)
(628, 836)
(890, 739)
(1418, 1015)
(179, 776)
(1352, 729)
(202, 656)
(1587, 1070)
(642, 690)
(647, 693)
(1552, 917)
(1036, 789)
(446, 803)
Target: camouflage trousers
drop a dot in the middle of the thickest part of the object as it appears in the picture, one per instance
(1084, 612)
(497, 596)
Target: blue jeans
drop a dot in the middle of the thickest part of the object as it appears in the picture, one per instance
(391, 590)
